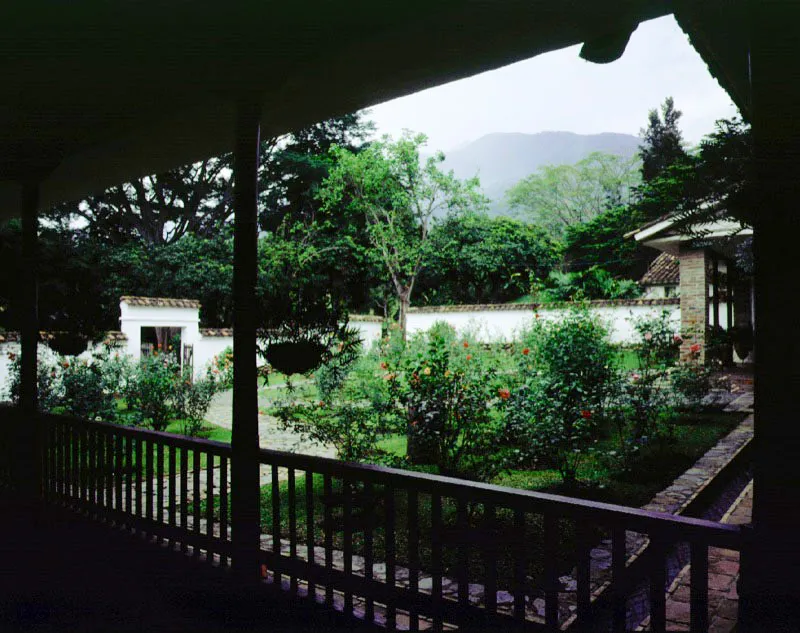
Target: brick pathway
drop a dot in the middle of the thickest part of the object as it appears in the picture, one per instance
(723, 576)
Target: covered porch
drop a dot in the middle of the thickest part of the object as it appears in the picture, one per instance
(269, 69)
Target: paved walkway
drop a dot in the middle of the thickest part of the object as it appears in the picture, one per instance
(269, 432)
(723, 577)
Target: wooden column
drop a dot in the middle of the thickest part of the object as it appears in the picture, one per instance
(770, 581)
(244, 465)
(29, 465)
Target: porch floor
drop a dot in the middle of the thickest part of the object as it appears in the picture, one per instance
(64, 573)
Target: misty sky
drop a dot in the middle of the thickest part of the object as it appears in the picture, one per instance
(560, 91)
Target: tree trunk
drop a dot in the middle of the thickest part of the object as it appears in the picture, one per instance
(405, 303)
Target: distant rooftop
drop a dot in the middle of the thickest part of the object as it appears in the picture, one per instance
(160, 302)
(664, 271)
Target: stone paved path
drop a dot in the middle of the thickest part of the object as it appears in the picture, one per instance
(269, 432)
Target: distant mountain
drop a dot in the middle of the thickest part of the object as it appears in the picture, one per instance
(500, 160)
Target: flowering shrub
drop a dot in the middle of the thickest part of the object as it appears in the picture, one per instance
(193, 398)
(568, 380)
(448, 398)
(222, 368)
(47, 378)
(88, 391)
(695, 385)
(150, 390)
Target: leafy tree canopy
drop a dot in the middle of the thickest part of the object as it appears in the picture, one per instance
(559, 196)
(472, 258)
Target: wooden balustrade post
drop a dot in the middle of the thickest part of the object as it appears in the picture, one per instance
(29, 471)
(245, 511)
(770, 572)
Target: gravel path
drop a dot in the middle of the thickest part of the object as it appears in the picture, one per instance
(269, 433)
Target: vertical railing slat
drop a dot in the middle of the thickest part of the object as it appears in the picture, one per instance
(160, 484)
(119, 474)
(310, 553)
(128, 478)
(184, 497)
(347, 540)
(520, 565)
(172, 489)
(551, 571)
(658, 580)
(436, 560)
(328, 537)
(583, 575)
(210, 506)
(223, 503)
(368, 512)
(618, 588)
(276, 526)
(413, 554)
(489, 546)
(699, 588)
(139, 476)
(197, 463)
(291, 499)
(149, 474)
(390, 544)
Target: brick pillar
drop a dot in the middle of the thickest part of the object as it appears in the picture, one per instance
(695, 277)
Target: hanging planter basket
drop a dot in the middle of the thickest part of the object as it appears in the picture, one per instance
(68, 343)
(295, 357)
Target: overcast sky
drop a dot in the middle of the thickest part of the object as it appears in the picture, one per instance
(560, 91)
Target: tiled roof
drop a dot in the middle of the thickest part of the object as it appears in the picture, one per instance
(365, 318)
(665, 270)
(115, 336)
(216, 331)
(508, 307)
(161, 302)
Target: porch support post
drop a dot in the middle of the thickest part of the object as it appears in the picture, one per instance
(244, 442)
(770, 572)
(29, 466)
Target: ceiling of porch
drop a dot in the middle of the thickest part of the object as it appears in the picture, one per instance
(95, 93)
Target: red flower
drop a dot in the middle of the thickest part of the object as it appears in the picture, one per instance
(505, 394)
(466, 344)
(526, 351)
(677, 338)
(536, 315)
(586, 414)
(469, 356)
(384, 366)
(694, 349)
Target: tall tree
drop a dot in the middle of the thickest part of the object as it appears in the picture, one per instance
(662, 141)
(197, 199)
(398, 195)
(559, 196)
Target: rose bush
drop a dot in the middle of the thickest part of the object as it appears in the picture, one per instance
(566, 383)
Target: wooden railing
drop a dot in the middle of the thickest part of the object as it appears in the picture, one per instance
(463, 553)
(160, 484)
(402, 549)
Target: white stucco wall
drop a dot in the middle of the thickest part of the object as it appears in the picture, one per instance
(206, 348)
(503, 325)
(133, 318)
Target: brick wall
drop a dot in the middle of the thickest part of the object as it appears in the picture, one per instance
(695, 277)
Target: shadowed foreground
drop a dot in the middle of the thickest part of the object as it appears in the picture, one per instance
(65, 574)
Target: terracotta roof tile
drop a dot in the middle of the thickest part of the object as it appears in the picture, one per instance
(507, 307)
(160, 302)
(216, 331)
(665, 270)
